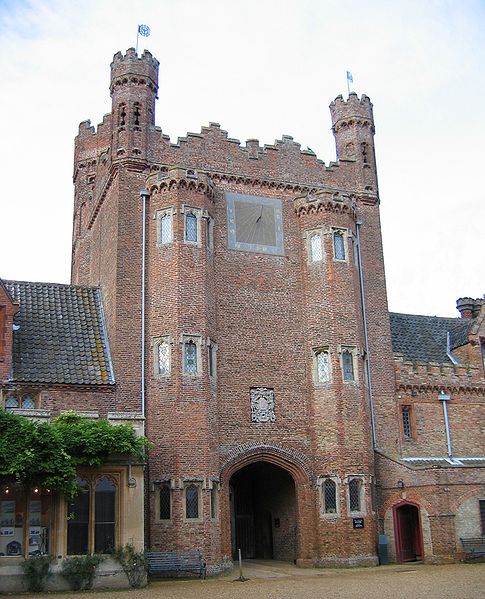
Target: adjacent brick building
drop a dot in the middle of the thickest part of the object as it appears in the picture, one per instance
(242, 289)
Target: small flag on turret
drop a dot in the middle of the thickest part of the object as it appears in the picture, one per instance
(145, 31)
(349, 77)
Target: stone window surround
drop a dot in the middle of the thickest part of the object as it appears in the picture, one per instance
(355, 353)
(363, 510)
(320, 485)
(156, 486)
(199, 342)
(410, 408)
(345, 234)
(316, 351)
(159, 214)
(198, 483)
(156, 342)
(214, 486)
(19, 394)
(198, 213)
(309, 234)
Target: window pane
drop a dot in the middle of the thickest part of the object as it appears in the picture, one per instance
(323, 367)
(354, 494)
(190, 357)
(190, 227)
(329, 496)
(165, 496)
(104, 505)
(78, 523)
(164, 358)
(406, 422)
(28, 402)
(12, 509)
(11, 402)
(348, 366)
(191, 502)
(166, 228)
(316, 248)
(338, 246)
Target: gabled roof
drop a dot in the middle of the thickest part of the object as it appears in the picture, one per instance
(61, 336)
(424, 338)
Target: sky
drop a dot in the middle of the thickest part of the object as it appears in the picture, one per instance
(261, 68)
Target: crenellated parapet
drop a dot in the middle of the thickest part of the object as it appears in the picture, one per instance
(131, 70)
(431, 376)
(354, 111)
(326, 201)
(168, 179)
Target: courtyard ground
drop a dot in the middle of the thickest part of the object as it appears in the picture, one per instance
(279, 580)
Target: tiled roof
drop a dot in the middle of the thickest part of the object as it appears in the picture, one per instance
(61, 336)
(424, 338)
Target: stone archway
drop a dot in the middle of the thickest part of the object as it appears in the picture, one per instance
(408, 532)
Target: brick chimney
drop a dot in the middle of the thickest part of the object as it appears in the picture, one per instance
(469, 307)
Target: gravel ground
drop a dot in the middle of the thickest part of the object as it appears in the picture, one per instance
(276, 580)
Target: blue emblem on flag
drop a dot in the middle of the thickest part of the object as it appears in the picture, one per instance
(349, 77)
(144, 30)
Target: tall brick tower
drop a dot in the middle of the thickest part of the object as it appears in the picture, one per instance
(260, 368)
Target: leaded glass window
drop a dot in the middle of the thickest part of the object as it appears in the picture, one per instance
(406, 422)
(11, 402)
(104, 514)
(78, 521)
(323, 366)
(338, 245)
(329, 491)
(348, 365)
(190, 227)
(355, 488)
(316, 250)
(191, 501)
(166, 228)
(165, 502)
(28, 402)
(190, 357)
(164, 358)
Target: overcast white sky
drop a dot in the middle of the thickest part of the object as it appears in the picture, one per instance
(261, 69)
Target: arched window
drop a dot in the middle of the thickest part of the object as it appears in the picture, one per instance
(166, 228)
(348, 365)
(329, 496)
(164, 358)
(190, 227)
(105, 516)
(338, 245)
(28, 402)
(191, 501)
(190, 357)
(78, 522)
(355, 492)
(11, 402)
(322, 366)
(316, 250)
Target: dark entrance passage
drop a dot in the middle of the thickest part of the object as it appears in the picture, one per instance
(409, 544)
(263, 512)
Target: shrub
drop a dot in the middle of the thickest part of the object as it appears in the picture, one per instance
(133, 563)
(37, 571)
(80, 571)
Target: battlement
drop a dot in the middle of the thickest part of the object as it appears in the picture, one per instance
(353, 108)
(132, 68)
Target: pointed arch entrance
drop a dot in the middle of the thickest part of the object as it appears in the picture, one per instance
(408, 532)
(267, 506)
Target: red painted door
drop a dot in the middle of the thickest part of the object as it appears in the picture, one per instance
(408, 533)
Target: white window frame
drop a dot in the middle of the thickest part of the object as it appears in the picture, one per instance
(197, 340)
(363, 510)
(352, 350)
(159, 214)
(197, 212)
(321, 486)
(316, 352)
(157, 341)
(344, 234)
(310, 235)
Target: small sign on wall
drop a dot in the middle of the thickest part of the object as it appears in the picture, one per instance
(358, 522)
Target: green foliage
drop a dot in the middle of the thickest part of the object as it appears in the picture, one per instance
(48, 454)
(80, 571)
(133, 563)
(37, 571)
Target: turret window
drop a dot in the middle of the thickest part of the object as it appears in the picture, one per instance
(356, 495)
(347, 358)
(136, 114)
(191, 227)
(192, 501)
(339, 245)
(166, 228)
(329, 496)
(322, 365)
(316, 248)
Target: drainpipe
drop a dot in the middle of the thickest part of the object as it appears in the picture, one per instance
(444, 398)
(145, 195)
(366, 338)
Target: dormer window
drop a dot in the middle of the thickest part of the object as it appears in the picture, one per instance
(19, 399)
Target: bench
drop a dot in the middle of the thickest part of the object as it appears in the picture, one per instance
(473, 547)
(161, 562)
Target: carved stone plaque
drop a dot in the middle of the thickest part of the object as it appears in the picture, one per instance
(262, 405)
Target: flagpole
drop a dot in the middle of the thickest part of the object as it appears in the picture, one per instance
(137, 36)
(348, 84)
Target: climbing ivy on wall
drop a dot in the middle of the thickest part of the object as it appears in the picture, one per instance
(47, 454)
